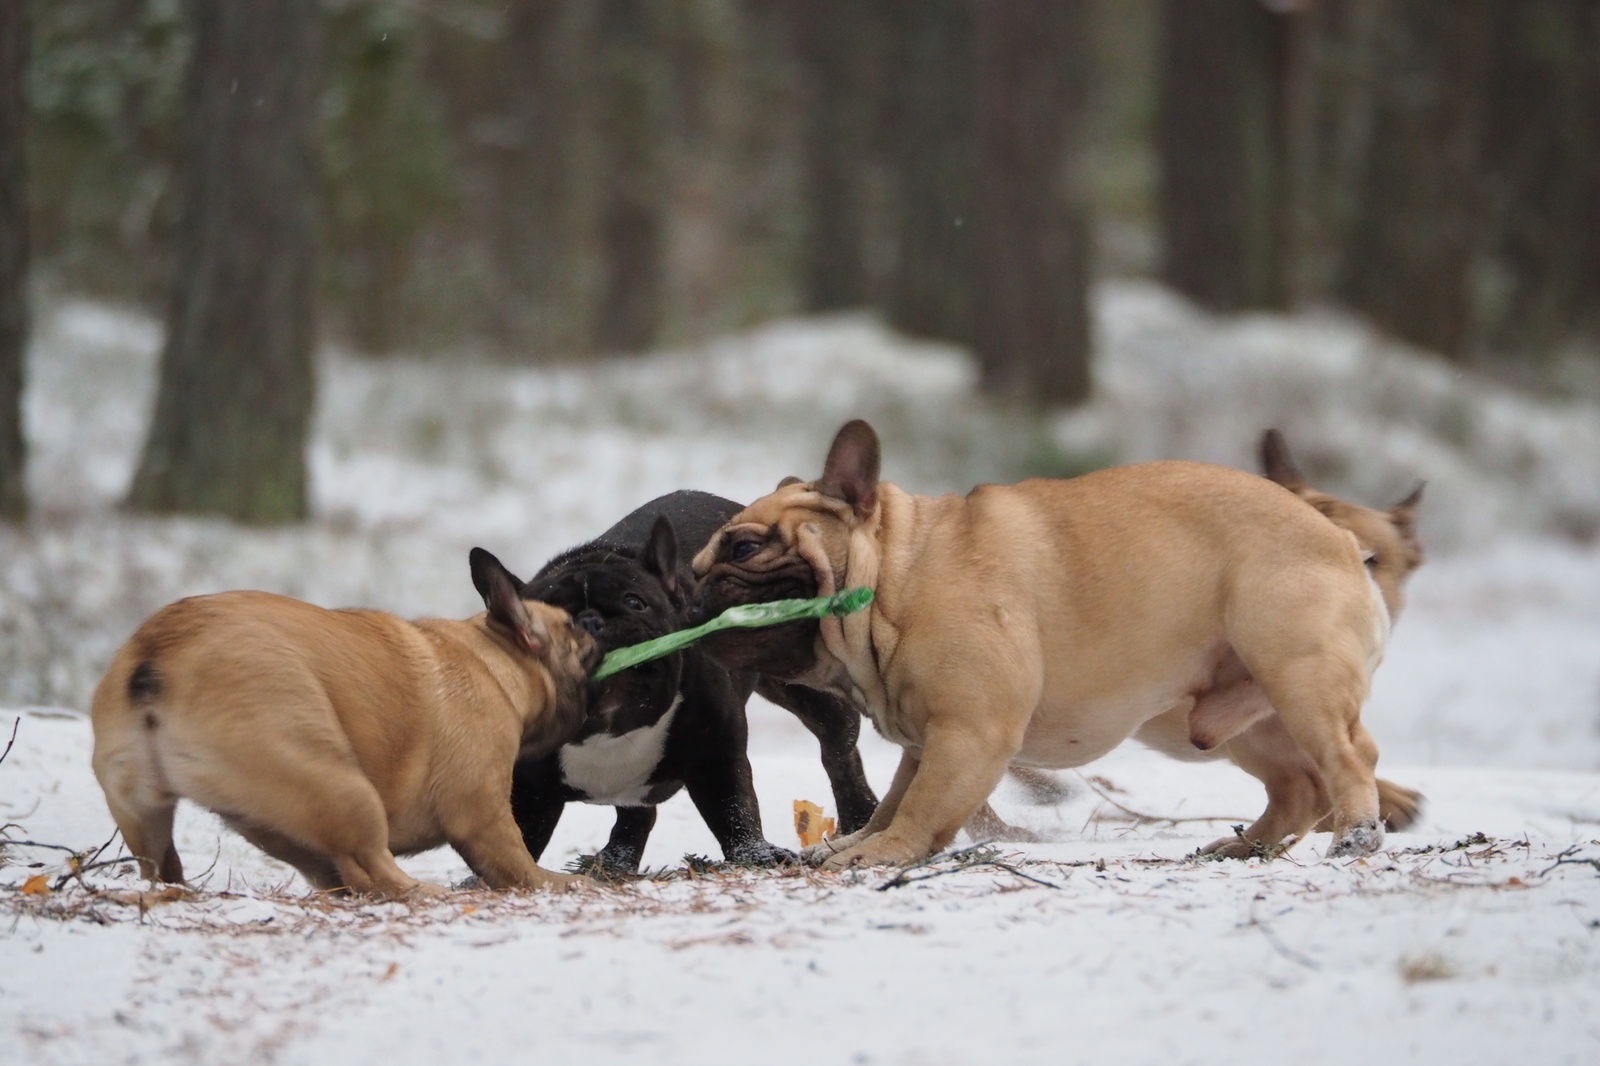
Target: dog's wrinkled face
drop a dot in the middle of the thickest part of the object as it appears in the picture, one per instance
(1388, 539)
(790, 544)
(622, 597)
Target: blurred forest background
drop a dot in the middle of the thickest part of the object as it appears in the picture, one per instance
(547, 180)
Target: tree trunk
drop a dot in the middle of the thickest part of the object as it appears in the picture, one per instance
(236, 391)
(1420, 226)
(1542, 165)
(1030, 296)
(533, 242)
(931, 133)
(13, 255)
(829, 36)
(633, 197)
(1223, 204)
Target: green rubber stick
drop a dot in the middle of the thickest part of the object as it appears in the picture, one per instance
(747, 616)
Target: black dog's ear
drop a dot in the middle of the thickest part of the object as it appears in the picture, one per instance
(851, 472)
(1276, 463)
(499, 590)
(660, 555)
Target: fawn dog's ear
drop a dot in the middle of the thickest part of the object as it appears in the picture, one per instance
(1277, 464)
(851, 472)
(499, 588)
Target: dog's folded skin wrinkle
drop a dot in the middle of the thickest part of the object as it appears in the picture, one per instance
(336, 740)
(677, 723)
(1046, 622)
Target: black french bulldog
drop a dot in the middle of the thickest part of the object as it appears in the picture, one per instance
(678, 722)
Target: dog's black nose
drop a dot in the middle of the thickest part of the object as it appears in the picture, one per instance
(592, 620)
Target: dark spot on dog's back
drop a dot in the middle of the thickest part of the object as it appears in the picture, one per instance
(144, 683)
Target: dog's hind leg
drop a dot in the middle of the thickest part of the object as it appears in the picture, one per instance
(318, 869)
(147, 830)
(1296, 793)
(1398, 806)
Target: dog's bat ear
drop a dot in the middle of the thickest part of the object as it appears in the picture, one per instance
(1404, 517)
(786, 482)
(851, 472)
(661, 552)
(1406, 510)
(1276, 463)
(499, 590)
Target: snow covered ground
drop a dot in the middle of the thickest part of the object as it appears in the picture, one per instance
(1435, 951)
(1489, 702)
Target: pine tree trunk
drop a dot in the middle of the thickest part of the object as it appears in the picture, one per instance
(633, 198)
(1420, 225)
(829, 36)
(13, 255)
(1223, 204)
(533, 242)
(931, 132)
(236, 391)
(1542, 164)
(1030, 296)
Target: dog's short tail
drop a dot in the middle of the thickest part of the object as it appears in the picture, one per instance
(126, 713)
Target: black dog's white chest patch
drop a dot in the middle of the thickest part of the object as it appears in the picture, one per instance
(615, 770)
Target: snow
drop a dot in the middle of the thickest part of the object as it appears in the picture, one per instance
(1489, 702)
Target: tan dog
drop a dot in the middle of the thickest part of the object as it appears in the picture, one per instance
(336, 740)
(1235, 705)
(1392, 552)
(1044, 623)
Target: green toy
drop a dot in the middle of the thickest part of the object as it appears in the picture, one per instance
(749, 615)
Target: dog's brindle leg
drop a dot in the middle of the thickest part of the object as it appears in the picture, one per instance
(724, 793)
(837, 727)
(625, 848)
(534, 785)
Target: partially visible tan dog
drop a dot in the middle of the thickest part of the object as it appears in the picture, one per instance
(1046, 622)
(336, 740)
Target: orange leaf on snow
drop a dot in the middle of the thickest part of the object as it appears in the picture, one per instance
(809, 823)
(37, 885)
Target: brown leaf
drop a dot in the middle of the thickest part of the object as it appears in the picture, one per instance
(37, 885)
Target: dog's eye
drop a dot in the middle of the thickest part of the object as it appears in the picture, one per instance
(1372, 562)
(634, 603)
(744, 549)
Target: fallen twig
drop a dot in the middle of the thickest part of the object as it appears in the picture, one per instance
(13, 739)
(1566, 859)
(984, 846)
(1278, 945)
(1141, 816)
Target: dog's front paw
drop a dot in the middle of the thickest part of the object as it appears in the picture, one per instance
(761, 853)
(880, 850)
(613, 860)
(817, 854)
(1359, 840)
(424, 890)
